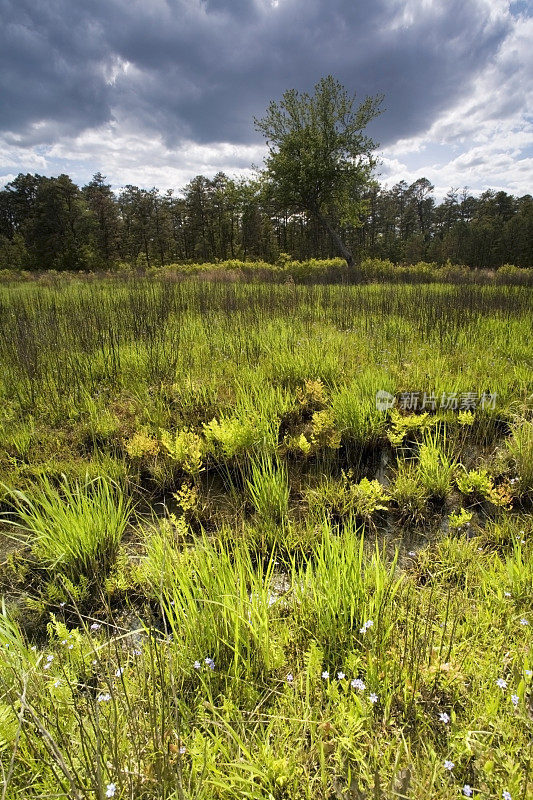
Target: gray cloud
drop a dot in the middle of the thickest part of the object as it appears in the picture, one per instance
(201, 70)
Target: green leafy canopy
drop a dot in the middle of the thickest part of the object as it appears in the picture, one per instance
(319, 156)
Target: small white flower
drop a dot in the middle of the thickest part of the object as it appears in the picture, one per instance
(61, 605)
(449, 765)
(183, 750)
(524, 621)
(34, 648)
(47, 666)
(197, 665)
(137, 652)
(443, 716)
(507, 594)
(412, 553)
(501, 683)
(57, 684)
(467, 790)
(95, 626)
(325, 674)
(63, 641)
(506, 795)
(341, 675)
(111, 789)
(290, 677)
(373, 697)
(71, 647)
(103, 698)
(529, 673)
(515, 699)
(357, 683)
(49, 658)
(119, 672)
(210, 663)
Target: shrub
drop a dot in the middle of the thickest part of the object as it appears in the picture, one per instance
(458, 520)
(185, 448)
(404, 425)
(341, 498)
(478, 485)
(231, 436)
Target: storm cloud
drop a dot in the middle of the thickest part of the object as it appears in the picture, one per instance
(198, 71)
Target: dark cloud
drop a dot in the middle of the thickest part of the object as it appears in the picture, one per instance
(202, 70)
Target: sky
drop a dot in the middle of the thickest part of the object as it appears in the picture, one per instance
(154, 92)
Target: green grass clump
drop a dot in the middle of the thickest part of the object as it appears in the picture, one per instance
(268, 489)
(74, 529)
(409, 494)
(520, 448)
(436, 468)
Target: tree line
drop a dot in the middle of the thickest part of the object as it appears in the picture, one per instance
(51, 223)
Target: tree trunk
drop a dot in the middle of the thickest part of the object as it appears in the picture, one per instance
(339, 244)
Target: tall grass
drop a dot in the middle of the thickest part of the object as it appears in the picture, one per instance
(74, 529)
(268, 488)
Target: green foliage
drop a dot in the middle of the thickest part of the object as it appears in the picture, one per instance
(341, 499)
(303, 698)
(231, 436)
(409, 493)
(269, 490)
(436, 468)
(185, 448)
(458, 520)
(520, 449)
(319, 158)
(74, 529)
(478, 485)
(404, 426)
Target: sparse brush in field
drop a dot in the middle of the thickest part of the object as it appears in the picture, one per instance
(408, 425)
(313, 396)
(435, 468)
(268, 489)
(74, 529)
(409, 493)
(458, 520)
(478, 485)
(520, 449)
(320, 434)
(367, 497)
(185, 448)
(141, 446)
(229, 437)
(342, 498)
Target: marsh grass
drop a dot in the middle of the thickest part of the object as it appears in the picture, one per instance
(268, 489)
(259, 635)
(73, 529)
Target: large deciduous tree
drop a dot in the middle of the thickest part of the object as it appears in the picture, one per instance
(320, 159)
